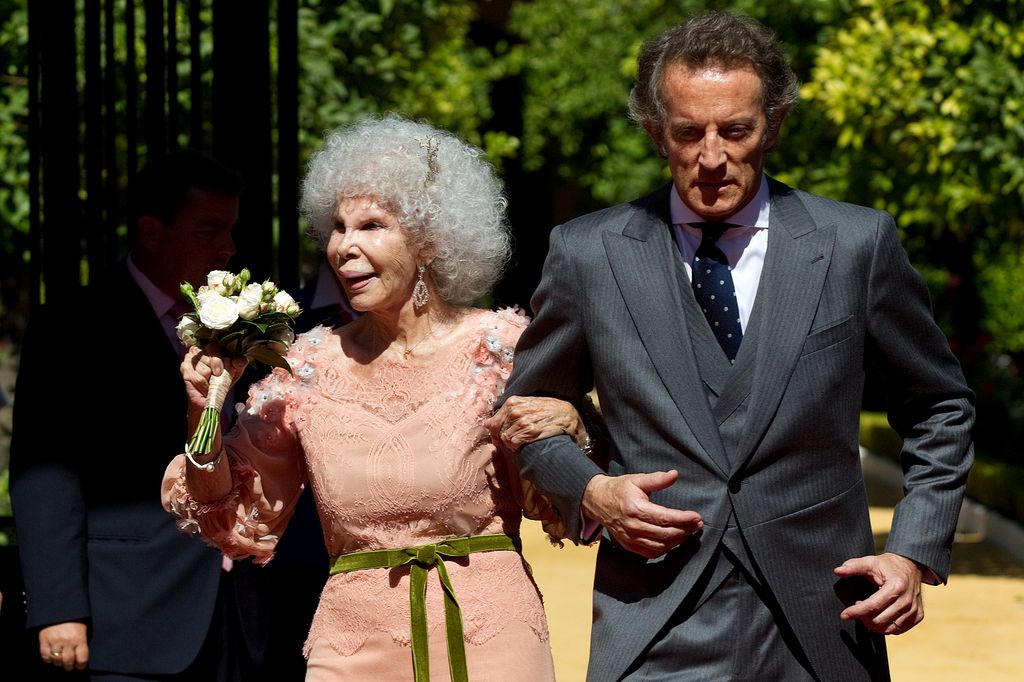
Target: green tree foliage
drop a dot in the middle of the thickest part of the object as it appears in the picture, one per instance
(413, 56)
(1002, 286)
(913, 106)
(928, 101)
(14, 204)
(356, 58)
(577, 61)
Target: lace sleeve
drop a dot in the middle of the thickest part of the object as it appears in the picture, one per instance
(267, 470)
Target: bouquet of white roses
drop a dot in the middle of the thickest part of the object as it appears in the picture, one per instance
(246, 320)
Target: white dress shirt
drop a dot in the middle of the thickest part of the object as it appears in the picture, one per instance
(161, 304)
(744, 246)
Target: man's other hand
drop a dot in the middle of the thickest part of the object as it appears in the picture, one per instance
(622, 504)
(897, 605)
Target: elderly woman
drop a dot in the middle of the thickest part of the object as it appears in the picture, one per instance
(385, 418)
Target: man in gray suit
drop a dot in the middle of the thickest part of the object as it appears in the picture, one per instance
(726, 321)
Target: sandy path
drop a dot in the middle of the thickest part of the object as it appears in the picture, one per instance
(974, 627)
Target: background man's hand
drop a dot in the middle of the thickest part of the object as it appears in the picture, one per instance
(897, 606)
(65, 645)
(622, 505)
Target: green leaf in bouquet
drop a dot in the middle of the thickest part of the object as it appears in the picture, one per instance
(261, 353)
(234, 348)
(235, 332)
(189, 294)
(274, 330)
(275, 344)
(261, 326)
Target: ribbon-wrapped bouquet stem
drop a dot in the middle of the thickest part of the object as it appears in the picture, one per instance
(248, 320)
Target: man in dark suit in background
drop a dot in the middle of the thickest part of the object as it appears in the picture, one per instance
(726, 321)
(111, 585)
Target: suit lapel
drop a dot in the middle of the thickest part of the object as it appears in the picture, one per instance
(796, 263)
(648, 269)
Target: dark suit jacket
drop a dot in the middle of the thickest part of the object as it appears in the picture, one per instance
(770, 445)
(99, 412)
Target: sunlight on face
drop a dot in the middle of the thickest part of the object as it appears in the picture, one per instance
(378, 266)
(714, 137)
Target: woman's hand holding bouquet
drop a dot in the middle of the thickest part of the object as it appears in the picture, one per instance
(209, 377)
(234, 322)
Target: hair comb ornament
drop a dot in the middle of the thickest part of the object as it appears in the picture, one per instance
(430, 144)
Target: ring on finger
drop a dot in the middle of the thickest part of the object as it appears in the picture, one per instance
(55, 654)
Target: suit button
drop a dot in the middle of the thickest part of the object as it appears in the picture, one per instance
(734, 486)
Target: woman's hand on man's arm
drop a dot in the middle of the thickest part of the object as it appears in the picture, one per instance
(523, 420)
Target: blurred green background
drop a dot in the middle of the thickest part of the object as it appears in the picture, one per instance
(911, 106)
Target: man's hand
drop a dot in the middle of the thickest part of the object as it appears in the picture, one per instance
(622, 505)
(897, 606)
(64, 645)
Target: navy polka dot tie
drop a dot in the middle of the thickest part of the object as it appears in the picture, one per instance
(714, 290)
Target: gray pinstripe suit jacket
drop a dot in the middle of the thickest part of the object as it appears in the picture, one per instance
(771, 441)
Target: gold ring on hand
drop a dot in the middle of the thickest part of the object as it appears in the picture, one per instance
(55, 654)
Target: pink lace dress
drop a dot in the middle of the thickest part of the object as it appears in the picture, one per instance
(397, 456)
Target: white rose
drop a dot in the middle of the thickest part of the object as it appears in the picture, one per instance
(217, 312)
(249, 301)
(215, 279)
(186, 329)
(282, 299)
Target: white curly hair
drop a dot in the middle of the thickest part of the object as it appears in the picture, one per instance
(443, 192)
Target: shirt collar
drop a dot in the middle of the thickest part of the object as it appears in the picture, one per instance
(160, 301)
(753, 214)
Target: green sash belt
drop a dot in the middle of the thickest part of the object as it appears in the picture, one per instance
(422, 559)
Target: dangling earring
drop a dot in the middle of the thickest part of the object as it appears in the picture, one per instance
(420, 293)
